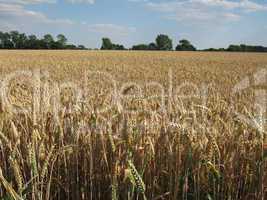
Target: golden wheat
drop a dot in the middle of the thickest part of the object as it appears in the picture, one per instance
(181, 138)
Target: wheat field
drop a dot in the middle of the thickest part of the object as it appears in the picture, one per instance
(132, 125)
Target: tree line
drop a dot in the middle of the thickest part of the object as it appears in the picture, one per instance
(162, 43)
(16, 40)
(241, 48)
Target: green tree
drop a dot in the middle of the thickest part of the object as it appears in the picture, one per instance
(144, 47)
(16, 40)
(152, 46)
(140, 47)
(1, 40)
(48, 40)
(62, 40)
(57, 45)
(234, 48)
(22, 41)
(81, 47)
(106, 44)
(163, 42)
(118, 47)
(32, 42)
(5, 41)
(185, 45)
(70, 46)
(14, 36)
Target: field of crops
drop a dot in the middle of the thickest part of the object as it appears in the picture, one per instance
(133, 125)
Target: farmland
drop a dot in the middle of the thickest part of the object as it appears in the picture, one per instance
(132, 125)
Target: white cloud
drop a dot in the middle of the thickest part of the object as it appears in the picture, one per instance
(164, 7)
(27, 1)
(200, 16)
(111, 29)
(173, 5)
(15, 13)
(82, 1)
(5, 26)
(243, 4)
(231, 16)
(252, 6)
(204, 10)
(138, 1)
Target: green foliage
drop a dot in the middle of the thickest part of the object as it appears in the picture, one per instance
(108, 45)
(164, 43)
(240, 48)
(81, 47)
(61, 39)
(16, 40)
(213, 49)
(118, 47)
(246, 48)
(48, 40)
(185, 45)
(140, 47)
(152, 46)
(5, 41)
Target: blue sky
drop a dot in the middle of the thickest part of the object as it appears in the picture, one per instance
(207, 23)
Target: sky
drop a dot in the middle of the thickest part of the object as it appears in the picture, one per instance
(206, 23)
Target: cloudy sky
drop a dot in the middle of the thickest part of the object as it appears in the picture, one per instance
(207, 23)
